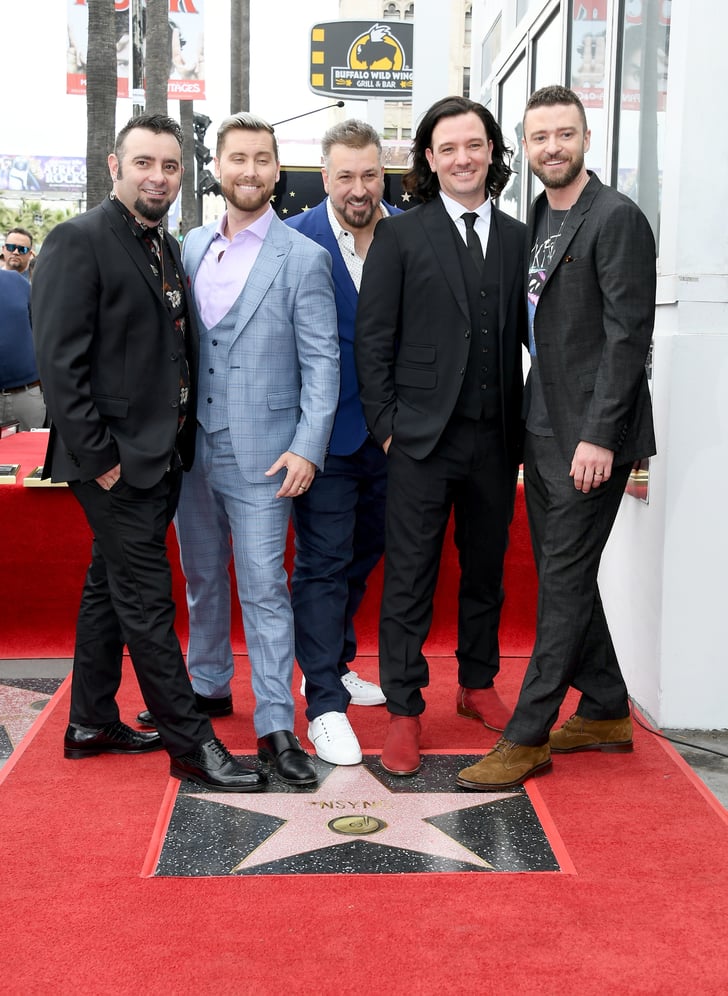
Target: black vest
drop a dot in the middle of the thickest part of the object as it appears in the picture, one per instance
(480, 394)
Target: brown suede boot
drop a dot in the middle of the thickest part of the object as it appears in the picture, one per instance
(608, 735)
(401, 751)
(506, 766)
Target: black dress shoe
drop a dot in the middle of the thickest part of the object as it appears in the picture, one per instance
(215, 708)
(211, 764)
(282, 751)
(114, 738)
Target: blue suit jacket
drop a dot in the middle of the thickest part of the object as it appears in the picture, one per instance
(283, 365)
(350, 429)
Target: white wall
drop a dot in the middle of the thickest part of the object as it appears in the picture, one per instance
(664, 575)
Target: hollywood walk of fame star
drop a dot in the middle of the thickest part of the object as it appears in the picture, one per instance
(311, 820)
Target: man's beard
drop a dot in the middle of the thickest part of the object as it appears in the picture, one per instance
(358, 217)
(151, 212)
(246, 202)
(557, 182)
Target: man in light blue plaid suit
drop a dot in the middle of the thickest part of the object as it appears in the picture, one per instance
(268, 389)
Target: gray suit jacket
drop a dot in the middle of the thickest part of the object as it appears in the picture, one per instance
(593, 325)
(283, 373)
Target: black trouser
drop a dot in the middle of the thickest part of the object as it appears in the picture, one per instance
(127, 599)
(468, 473)
(569, 531)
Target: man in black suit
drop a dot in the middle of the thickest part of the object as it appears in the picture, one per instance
(438, 350)
(591, 292)
(117, 352)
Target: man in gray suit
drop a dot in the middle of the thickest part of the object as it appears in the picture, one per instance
(269, 383)
(591, 292)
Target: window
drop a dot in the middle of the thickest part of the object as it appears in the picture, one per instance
(468, 26)
(409, 12)
(645, 50)
(491, 48)
(466, 81)
(513, 95)
(391, 12)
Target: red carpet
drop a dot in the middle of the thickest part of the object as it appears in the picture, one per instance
(46, 546)
(645, 911)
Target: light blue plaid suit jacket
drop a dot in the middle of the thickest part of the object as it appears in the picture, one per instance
(283, 373)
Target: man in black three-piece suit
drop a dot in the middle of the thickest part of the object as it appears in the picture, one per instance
(591, 291)
(438, 351)
(117, 353)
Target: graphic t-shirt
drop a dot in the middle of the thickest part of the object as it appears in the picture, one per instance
(548, 232)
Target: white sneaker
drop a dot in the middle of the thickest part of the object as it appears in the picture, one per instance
(333, 739)
(363, 693)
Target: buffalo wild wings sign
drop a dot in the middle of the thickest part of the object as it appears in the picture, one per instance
(362, 59)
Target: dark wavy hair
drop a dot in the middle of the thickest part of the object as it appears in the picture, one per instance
(422, 182)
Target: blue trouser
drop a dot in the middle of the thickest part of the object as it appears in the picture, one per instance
(339, 525)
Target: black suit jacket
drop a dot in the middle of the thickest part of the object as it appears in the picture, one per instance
(413, 328)
(107, 353)
(593, 325)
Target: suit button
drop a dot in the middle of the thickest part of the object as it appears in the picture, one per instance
(173, 357)
(209, 401)
(467, 334)
(214, 342)
(483, 294)
(462, 371)
(483, 331)
(211, 371)
(175, 404)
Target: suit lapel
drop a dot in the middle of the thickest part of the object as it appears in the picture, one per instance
(136, 254)
(439, 231)
(572, 223)
(273, 252)
(339, 272)
(196, 244)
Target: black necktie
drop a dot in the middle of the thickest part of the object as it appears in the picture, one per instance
(471, 239)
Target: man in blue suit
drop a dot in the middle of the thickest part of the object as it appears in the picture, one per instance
(339, 521)
(269, 381)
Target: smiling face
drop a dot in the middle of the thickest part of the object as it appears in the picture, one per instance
(354, 181)
(147, 173)
(555, 141)
(460, 153)
(248, 171)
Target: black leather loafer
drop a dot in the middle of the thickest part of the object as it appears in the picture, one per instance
(114, 738)
(214, 708)
(282, 751)
(211, 764)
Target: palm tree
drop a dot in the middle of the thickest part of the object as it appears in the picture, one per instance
(189, 183)
(100, 98)
(157, 58)
(239, 55)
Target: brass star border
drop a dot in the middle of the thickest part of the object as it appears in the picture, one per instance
(357, 820)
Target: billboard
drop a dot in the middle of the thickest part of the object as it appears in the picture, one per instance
(42, 174)
(186, 47)
(361, 59)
